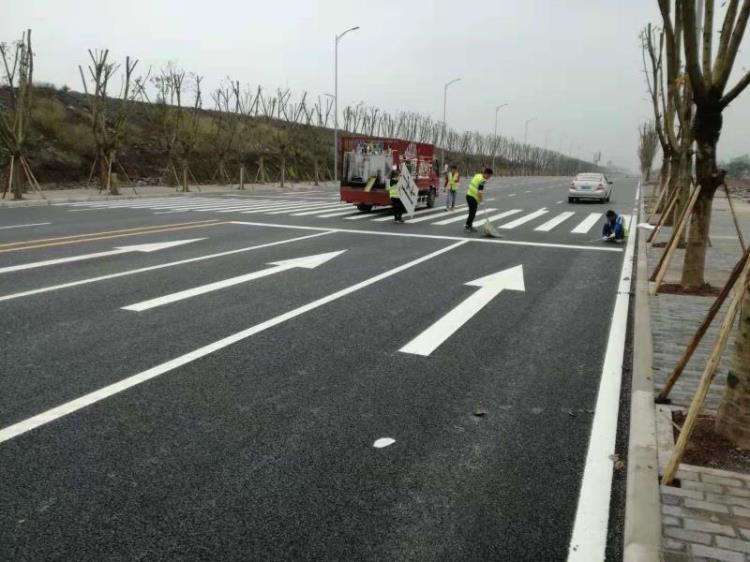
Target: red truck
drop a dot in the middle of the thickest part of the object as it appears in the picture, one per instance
(366, 165)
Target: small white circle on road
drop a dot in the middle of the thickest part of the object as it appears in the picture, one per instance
(383, 442)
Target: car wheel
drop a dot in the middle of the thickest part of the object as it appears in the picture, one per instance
(571, 199)
(364, 207)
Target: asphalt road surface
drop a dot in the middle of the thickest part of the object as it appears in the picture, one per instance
(274, 376)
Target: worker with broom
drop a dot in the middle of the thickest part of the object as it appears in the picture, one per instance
(393, 193)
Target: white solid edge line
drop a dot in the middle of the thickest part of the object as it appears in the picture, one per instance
(589, 538)
(431, 237)
(24, 225)
(53, 414)
(322, 232)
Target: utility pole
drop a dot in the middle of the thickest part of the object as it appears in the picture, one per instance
(525, 136)
(445, 102)
(494, 149)
(336, 103)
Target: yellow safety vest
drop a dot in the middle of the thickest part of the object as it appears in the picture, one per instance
(393, 191)
(477, 184)
(453, 181)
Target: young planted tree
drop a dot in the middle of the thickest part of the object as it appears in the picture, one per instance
(227, 123)
(654, 72)
(648, 142)
(709, 78)
(18, 69)
(108, 119)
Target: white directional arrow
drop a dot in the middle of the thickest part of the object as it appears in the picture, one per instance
(308, 262)
(119, 250)
(489, 287)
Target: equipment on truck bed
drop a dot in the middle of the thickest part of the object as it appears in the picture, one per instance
(367, 163)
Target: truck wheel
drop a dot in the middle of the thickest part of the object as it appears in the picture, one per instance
(431, 199)
(364, 207)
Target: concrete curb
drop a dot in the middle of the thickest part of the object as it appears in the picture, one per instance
(643, 533)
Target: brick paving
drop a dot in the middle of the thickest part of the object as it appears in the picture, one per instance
(708, 517)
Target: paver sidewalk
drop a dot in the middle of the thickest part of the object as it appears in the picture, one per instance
(708, 517)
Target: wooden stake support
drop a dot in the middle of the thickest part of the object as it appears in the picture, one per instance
(662, 217)
(702, 329)
(666, 257)
(706, 378)
(734, 218)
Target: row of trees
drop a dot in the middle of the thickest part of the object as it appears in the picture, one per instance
(274, 134)
(688, 61)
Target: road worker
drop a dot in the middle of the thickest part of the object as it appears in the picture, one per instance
(614, 227)
(393, 193)
(474, 196)
(452, 179)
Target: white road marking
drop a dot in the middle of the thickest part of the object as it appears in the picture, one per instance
(489, 287)
(24, 225)
(457, 219)
(148, 248)
(589, 538)
(527, 191)
(552, 223)
(305, 206)
(350, 211)
(422, 217)
(307, 262)
(371, 215)
(383, 442)
(62, 410)
(497, 217)
(587, 223)
(31, 292)
(558, 202)
(524, 219)
(171, 212)
(341, 208)
(512, 194)
(292, 205)
(431, 237)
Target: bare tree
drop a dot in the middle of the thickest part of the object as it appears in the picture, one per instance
(648, 142)
(107, 122)
(709, 77)
(18, 66)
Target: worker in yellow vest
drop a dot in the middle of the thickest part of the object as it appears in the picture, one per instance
(474, 196)
(393, 193)
(452, 179)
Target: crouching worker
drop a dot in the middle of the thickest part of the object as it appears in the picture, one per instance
(393, 193)
(614, 227)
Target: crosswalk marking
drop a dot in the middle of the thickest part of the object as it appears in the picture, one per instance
(432, 215)
(367, 215)
(587, 223)
(497, 217)
(301, 207)
(340, 206)
(524, 219)
(350, 211)
(461, 217)
(552, 223)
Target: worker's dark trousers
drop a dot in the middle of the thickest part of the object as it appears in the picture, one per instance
(473, 204)
(398, 208)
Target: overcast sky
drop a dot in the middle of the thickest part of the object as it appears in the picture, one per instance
(574, 66)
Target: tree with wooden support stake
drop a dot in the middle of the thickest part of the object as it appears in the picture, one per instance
(18, 69)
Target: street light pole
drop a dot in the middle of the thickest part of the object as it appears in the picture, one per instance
(445, 102)
(525, 136)
(494, 149)
(336, 103)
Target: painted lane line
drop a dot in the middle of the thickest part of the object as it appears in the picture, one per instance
(524, 219)
(24, 225)
(512, 194)
(32, 292)
(489, 287)
(457, 219)
(372, 215)
(307, 262)
(308, 205)
(589, 538)
(351, 211)
(558, 202)
(171, 212)
(552, 223)
(62, 410)
(587, 223)
(383, 442)
(147, 248)
(422, 218)
(497, 217)
(337, 208)
(432, 237)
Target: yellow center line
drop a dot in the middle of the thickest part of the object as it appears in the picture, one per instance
(74, 236)
(78, 241)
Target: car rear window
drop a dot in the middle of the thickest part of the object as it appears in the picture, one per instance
(589, 177)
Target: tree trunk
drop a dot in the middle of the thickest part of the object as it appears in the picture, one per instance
(733, 416)
(17, 179)
(674, 184)
(706, 128)
(111, 182)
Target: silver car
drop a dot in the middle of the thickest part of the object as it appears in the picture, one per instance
(592, 186)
